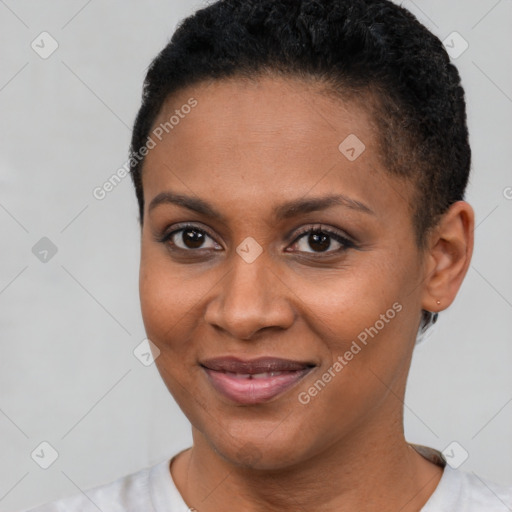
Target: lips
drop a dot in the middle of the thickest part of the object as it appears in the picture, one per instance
(254, 381)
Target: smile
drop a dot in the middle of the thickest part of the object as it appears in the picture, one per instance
(255, 381)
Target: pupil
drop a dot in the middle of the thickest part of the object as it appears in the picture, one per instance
(192, 238)
(321, 240)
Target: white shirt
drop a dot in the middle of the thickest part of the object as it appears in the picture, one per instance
(153, 490)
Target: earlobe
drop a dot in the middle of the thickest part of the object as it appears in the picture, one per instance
(449, 256)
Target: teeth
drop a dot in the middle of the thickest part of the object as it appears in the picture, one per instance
(264, 375)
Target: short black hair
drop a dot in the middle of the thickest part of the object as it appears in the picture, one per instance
(360, 49)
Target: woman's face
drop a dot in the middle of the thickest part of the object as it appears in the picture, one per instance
(333, 314)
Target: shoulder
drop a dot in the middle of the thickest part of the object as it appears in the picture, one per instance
(129, 493)
(459, 491)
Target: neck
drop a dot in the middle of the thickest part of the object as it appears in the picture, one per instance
(390, 475)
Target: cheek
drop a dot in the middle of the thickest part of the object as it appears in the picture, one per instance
(367, 316)
(164, 299)
(167, 305)
(363, 321)
(172, 301)
(346, 302)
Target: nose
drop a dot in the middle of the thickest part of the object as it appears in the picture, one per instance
(252, 297)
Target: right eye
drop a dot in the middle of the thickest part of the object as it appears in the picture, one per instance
(189, 238)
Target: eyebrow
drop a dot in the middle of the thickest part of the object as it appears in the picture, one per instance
(284, 211)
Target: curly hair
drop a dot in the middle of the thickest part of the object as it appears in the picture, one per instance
(372, 51)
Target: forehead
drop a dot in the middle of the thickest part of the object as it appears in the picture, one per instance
(298, 111)
(266, 139)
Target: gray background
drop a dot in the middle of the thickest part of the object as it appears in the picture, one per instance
(69, 326)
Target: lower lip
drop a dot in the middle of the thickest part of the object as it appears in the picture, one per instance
(253, 391)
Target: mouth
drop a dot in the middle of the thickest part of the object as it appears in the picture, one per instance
(254, 381)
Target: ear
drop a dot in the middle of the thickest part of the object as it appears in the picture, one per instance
(448, 256)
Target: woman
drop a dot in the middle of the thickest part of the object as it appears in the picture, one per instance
(300, 168)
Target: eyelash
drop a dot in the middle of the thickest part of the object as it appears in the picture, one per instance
(344, 241)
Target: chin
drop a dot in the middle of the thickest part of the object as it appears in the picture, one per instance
(258, 452)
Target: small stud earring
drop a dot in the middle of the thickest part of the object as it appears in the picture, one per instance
(438, 302)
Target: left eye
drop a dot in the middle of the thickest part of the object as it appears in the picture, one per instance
(321, 240)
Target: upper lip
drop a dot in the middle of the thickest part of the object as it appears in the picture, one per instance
(254, 366)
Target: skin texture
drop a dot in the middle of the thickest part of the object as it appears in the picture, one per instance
(247, 147)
